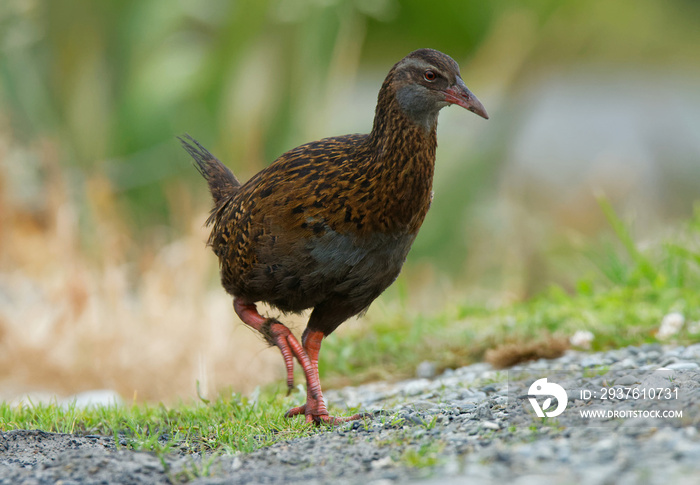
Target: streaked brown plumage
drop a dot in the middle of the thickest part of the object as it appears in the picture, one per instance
(328, 225)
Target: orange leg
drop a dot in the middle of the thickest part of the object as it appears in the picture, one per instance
(278, 334)
(315, 408)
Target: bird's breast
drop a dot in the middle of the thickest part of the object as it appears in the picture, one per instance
(340, 253)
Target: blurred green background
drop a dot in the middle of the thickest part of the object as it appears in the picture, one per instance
(585, 98)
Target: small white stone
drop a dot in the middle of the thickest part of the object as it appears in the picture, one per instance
(582, 339)
(382, 463)
(415, 387)
(683, 366)
(490, 425)
(627, 363)
(426, 370)
(671, 324)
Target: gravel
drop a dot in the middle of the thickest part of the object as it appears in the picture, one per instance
(469, 425)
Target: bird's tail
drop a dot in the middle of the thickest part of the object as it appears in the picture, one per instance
(222, 182)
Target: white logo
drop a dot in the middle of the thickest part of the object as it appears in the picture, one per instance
(543, 388)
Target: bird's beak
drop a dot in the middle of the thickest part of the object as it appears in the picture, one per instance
(460, 95)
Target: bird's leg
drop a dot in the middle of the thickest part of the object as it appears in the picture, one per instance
(279, 335)
(315, 408)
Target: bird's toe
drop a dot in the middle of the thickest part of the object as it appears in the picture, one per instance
(321, 417)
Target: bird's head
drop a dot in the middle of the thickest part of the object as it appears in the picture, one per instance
(425, 81)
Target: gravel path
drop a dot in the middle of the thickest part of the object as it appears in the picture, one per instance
(471, 425)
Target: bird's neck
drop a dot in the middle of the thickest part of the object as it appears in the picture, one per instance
(403, 153)
(395, 130)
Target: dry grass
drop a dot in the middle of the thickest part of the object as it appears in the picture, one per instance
(512, 353)
(147, 322)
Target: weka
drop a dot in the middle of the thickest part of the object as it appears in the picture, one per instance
(328, 225)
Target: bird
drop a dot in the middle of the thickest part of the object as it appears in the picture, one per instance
(328, 225)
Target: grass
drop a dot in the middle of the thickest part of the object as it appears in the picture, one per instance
(226, 424)
(426, 455)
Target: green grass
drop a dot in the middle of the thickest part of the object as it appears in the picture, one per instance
(426, 455)
(227, 424)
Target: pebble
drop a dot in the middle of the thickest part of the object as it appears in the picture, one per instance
(683, 366)
(627, 363)
(651, 355)
(627, 380)
(691, 352)
(484, 428)
(426, 370)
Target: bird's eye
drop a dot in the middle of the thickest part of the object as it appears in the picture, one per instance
(430, 75)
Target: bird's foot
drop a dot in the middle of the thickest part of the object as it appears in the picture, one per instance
(279, 335)
(318, 414)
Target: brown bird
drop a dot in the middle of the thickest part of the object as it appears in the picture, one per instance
(328, 225)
